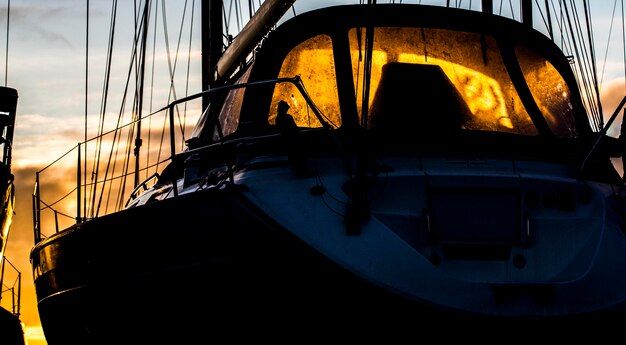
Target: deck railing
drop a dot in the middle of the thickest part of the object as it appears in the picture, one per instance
(110, 186)
(108, 167)
(11, 284)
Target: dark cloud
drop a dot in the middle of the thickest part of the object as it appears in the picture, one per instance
(43, 22)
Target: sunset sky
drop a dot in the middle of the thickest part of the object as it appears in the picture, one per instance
(46, 64)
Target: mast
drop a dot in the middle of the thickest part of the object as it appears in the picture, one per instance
(8, 107)
(212, 38)
(261, 22)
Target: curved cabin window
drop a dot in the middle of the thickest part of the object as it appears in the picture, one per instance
(313, 60)
(228, 115)
(549, 91)
(469, 62)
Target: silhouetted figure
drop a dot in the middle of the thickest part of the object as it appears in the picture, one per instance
(284, 121)
(289, 130)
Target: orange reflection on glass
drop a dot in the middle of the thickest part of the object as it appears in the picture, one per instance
(550, 92)
(313, 60)
(470, 60)
(379, 59)
(482, 94)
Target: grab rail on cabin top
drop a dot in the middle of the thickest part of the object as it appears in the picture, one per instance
(40, 205)
(603, 132)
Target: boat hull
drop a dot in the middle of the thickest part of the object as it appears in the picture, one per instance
(213, 264)
(11, 328)
(210, 278)
(234, 271)
(393, 231)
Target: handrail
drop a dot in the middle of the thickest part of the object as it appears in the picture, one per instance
(169, 112)
(296, 81)
(602, 133)
(143, 184)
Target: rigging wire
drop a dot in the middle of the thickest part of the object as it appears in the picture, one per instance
(606, 51)
(84, 196)
(512, 11)
(623, 48)
(193, 3)
(226, 21)
(103, 105)
(115, 147)
(110, 167)
(166, 38)
(180, 33)
(550, 28)
(594, 68)
(95, 207)
(586, 71)
(156, 17)
(565, 42)
(570, 35)
(575, 36)
(238, 15)
(140, 63)
(135, 112)
(547, 21)
(172, 70)
(622, 131)
(140, 94)
(561, 22)
(6, 58)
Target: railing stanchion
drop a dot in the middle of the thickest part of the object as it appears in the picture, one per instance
(36, 211)
(173, 146)
(78, 191)
(19, 293)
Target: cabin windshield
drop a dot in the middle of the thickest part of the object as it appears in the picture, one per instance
(429, 80)
(470, 65)
(470, 62)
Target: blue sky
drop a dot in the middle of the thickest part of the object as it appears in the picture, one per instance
(46, 64)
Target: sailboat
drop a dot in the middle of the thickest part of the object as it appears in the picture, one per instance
(11, 330)
(445, 170)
